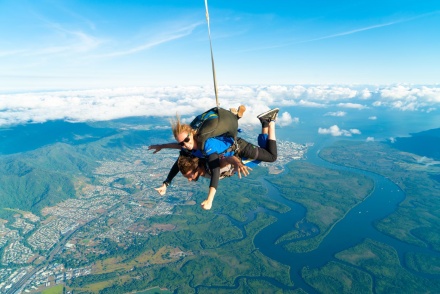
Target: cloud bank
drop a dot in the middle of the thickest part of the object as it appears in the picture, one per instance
(335, 131)
(108, 104)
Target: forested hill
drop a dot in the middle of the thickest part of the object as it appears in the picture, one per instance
(42, 177)
(425, 143)
(39, 163)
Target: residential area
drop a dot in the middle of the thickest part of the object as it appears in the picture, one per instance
(109, 208)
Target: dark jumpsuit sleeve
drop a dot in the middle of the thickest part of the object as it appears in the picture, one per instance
(173, 172)
(214, 167)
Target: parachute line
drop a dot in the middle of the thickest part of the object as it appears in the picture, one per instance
(212, 55)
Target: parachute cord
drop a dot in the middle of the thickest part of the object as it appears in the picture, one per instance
(212, 55)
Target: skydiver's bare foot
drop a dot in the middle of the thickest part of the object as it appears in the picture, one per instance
(206, 205)
(238, 112)
(241, 110)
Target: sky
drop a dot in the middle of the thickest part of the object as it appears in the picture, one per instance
(81, 60)
(83, 44)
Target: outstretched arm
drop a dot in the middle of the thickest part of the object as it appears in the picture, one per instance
(159, 147)
(173, 172)
(207, 203)
(214, 166)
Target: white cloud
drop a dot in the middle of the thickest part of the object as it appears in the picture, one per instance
(370, 139)
(404, 105)
(365, 94)
(286, 119)
(306, 103)
(352, 105)
(409, 98)
(335, 131)
(330, 93)
(377, 103)
(426, 161)
(107, 104)
(398, 92)
(337, 113)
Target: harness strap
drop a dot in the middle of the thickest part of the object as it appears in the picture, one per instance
(234, 147)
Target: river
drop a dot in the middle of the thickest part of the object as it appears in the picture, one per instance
(355, 227)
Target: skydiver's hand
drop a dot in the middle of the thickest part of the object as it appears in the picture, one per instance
(241, 168)
(206, 205)
(161, 190)
(156, 148)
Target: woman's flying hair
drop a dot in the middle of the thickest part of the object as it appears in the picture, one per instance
(178, 127)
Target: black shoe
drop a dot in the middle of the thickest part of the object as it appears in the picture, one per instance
(269, 116)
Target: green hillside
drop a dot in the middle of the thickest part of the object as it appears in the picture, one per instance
(43, 177)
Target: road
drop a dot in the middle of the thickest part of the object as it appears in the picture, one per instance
(26, 278)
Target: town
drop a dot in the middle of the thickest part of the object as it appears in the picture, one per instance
(106, 208)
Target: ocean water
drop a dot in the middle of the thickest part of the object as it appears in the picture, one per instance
(380, 124)
(31, 136)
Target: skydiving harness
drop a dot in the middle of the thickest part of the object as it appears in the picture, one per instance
(215, 122)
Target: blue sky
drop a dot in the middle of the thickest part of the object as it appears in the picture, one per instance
(79, 44)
